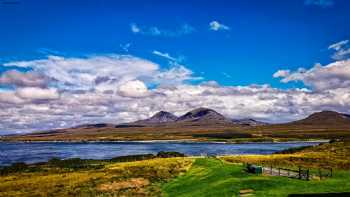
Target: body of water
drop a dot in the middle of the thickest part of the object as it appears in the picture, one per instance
(11, 152)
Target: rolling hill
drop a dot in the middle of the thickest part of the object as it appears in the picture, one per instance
(201, 124)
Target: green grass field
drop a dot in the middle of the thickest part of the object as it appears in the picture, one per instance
(153, 175)
(212, 177)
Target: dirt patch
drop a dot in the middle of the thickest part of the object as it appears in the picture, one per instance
(133, 183)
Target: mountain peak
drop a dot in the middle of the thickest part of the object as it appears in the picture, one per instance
(204, 115)
(159, 117)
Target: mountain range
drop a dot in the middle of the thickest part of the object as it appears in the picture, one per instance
(200, 116)
(201, 122)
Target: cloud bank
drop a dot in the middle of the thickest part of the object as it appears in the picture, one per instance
(60, 92)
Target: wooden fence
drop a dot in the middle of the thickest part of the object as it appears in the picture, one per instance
(300, 173)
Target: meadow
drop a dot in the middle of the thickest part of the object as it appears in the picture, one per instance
(92, 178)
(213, 177)
(157, 175)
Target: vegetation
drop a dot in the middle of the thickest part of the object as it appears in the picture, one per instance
(329, 155)
(64, 178)
(212, 177)
(157, 175)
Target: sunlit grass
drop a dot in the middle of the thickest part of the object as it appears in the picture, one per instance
(334, 155)
(211, 177)
(115, 179)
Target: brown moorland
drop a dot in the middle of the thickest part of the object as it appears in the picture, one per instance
(201, 124)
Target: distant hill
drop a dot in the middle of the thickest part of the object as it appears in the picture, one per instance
(324, 118)
(97, 125)
(199, 116)
(202, 123)
(249, 122)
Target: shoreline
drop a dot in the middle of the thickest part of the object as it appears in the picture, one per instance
(165, 141)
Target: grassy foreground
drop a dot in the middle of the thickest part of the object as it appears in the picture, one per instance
(178, 176)
(212, 177)
(138, 178)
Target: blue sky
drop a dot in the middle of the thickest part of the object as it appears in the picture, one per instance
(264, 36)
(64, 63)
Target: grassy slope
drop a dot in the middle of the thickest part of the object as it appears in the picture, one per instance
(206, 177)
(335, 155)
(212, 177)
(140, 178)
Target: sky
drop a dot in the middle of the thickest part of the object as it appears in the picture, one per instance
(65, 63)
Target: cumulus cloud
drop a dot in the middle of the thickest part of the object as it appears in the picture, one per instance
(29, 95)
(133, 89)
(216, 26)
(114, 89)
(14, 77)
(156, 31)
(320, 3)
(86, 73)
(342, 50)
(282, 73)
(331, 76)
(175, 75)
(35, 93)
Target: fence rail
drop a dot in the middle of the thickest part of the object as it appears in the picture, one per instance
(301, 173)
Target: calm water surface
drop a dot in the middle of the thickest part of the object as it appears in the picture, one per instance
(11, 152)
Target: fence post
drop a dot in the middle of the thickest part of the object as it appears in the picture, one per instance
(299, 173)
(288, 172)
(271, 169)
(279, 171)
(319, 173)
(331, 172)
(307, 174)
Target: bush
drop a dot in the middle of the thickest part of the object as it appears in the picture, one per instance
(129, 158)
(292, 150)
(16, 167)
(163, 154)
(74, 163)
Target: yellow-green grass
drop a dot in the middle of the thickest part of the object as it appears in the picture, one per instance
(141, 178)
(330, 155)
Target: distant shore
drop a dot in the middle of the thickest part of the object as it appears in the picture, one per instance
(166, 141)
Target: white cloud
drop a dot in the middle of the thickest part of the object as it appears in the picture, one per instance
(125, 47)
(134, 28)
(175, 75)
(133, 89)
(14, 77)
(35, 93)
(113, 89)
(10, 98)
(165, 55)
(338, 45)
(342, 50)
(156, 31)
(331, 76)
(281, 73)
(86, 73)
(216, 26)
